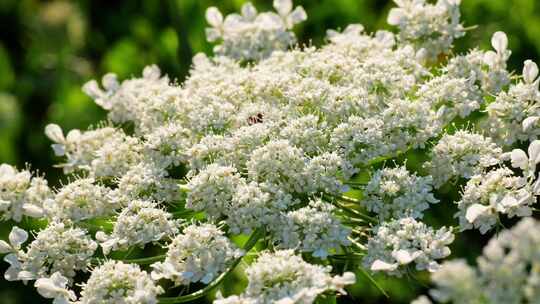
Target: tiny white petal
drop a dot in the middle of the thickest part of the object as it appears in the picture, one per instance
(519, 159)
(509, 201)
(499, 41)
(395, 16)
(530, 71)
(5, 247)
(73, 135)
(379, 265)
(474, 211)
(249, 11)
(110, 82)
(534, 151)
(529, 122)
(91, 88)
(298, 15)
(403, 256)
(54, 133)
(17, 237)
(214, 17)
(536, 187)
(32, 210)
(283, 7)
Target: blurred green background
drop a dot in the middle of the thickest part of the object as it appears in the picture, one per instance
(48, 49)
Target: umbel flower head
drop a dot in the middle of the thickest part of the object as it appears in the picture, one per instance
(283, 277)
(398, 243)
(140, 223)
(117, 282)
(507, 271)
(21, 194)
(199, 254)
(253, 36)
(57, 248)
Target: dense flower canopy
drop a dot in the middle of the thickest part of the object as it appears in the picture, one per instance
(269, 138)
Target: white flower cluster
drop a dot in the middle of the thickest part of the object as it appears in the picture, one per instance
(199, 254)
(212, 189)
(462, 155)
(145, 181)
(486, 69)
(104, 152)
(140, 223)
(451, 96)
(21, 194)
(431, 28)
(311, 229)
(117, 282)
(485, 196)
(403, 125)
(514, 115)
(488, 195)
(507, 271)
(394, 193)
(80, 200)
(57, 248)
(456, 282)
(262, 198)
(398, 243)
(140, 100)
(253, 36)
(283, 277)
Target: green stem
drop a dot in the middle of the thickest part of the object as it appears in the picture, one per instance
(140, 261)
(351, 210)
(372, 280)
(145, 261)
(183, 187)
(250, 243)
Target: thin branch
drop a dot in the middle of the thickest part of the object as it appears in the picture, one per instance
(250, 243)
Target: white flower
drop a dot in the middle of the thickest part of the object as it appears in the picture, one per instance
(462, 155)
(21, 194)
(530, 71)
(433, 27)
(456, 281)
(138, 224)
(398, 243)
(252, 36)
(397, 193)
(451, 97)
(55, 288)
(507, 271)
(283, 277)
(17, 237)
(514, 114)
(499, 41)
(311, 229)
(199, 254)
(117, 282)
(126, 102)
(145, 181)
(489, 194)
(280, 164)
(80, 200)
(486, 69)
(57, 248)
(212, 189)
(526, 163)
